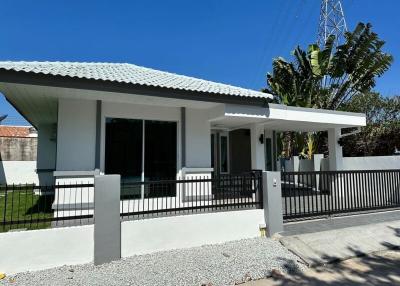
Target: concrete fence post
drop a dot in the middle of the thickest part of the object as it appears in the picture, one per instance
(272, 196)
(107, 226)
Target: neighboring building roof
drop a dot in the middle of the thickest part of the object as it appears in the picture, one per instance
(131, 74)
(17, 131)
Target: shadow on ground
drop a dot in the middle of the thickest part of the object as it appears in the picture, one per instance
(381, 268)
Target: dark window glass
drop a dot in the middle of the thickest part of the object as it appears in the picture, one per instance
(123, 154)
(160, 157)
(212, 151)
(268, 154)
(224, 154)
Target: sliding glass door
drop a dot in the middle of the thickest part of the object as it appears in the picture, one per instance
(141, 150)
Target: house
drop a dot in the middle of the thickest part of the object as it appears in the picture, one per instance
(145, 124)
(18, 145)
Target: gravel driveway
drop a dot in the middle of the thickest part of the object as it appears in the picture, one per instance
(219, 264)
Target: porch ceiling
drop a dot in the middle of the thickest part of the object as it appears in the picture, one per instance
(285, 118)
(38, 104)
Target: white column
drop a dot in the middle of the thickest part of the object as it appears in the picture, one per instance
(335, 150)
(257, 148)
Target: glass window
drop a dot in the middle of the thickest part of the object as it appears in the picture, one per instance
(127, 152)
(212, 150)
(123, 154)
(160, 157)
(268, 154)
(224, 154)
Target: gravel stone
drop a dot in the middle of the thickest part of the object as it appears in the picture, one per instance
(218, 264)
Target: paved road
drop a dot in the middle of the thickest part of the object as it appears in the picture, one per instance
(381, 268)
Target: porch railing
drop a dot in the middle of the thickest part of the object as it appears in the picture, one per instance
(311, 194)
(189, 196)
(34, 207)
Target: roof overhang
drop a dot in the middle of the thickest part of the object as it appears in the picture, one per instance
(284, 118)
(40, 79)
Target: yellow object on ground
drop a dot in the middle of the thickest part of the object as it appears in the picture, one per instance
(2, 275)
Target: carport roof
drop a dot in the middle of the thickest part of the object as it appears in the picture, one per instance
(284, 118)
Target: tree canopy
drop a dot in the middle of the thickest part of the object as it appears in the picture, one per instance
(333, 78)
(327, 77)
(381, 135)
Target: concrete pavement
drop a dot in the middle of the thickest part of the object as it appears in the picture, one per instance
(380, 268)
(317, 248)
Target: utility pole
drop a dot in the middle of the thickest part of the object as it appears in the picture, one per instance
(331, 22)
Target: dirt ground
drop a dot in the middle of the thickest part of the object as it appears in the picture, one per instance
(382, 268)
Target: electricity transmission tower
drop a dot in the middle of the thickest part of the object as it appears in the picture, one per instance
(331, 22)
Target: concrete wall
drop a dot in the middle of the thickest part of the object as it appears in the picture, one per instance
(151, 235)
(76, 135)
(18, 172)
(18, 148)
(349, 163)
(29, 159)
(366, 163)
(371, 163)
(198, 142)
(40, 249)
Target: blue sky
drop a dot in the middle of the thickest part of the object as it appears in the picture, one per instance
(222, 40)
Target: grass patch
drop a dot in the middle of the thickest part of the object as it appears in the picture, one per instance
(24, 205)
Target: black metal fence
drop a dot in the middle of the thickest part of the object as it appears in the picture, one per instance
(194, 195)
(312, 194)
(36, 207)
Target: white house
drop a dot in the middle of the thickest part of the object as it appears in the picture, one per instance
(147, 124)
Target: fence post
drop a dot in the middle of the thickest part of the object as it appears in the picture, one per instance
(107, 226)
(272, 196)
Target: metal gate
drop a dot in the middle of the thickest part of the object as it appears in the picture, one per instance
(315, 194)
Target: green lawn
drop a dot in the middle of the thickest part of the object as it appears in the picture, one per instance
(20, 205)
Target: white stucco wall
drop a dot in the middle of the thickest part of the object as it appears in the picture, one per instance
(198, 142)
(18, 172)
(46, 153)
(371, 163)
(47, 248)
(76, 135)
(366, 163)
(158, 234)
(257, 148)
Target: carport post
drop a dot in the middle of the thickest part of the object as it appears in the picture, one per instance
(107, 226)
(335, 150)
(272, 196)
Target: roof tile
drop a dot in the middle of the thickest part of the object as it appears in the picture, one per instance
(129, 73)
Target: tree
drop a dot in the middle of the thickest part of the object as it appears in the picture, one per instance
(327, 79)
(380, 136)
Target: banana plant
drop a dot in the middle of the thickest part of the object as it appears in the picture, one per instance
(328, 78)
